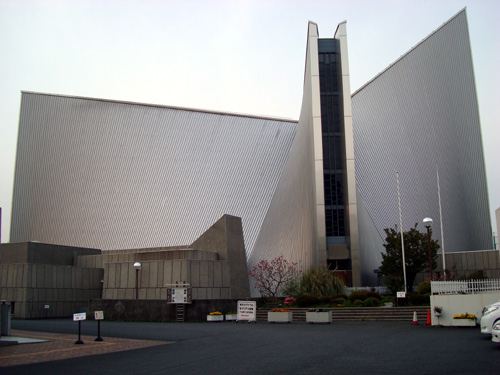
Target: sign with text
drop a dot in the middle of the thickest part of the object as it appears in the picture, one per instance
(179, 295)
(80, 316)
(98, 315)
(247, 310)
(401, 294)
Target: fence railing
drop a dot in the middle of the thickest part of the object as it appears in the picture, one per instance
(465, 287)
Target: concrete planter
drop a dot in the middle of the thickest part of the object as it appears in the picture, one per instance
(464, 323)
(279, 317)
(319, 317)
(215, 318)
(231, 317)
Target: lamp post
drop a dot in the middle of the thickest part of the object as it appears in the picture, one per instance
(137, 267)
(428, 224)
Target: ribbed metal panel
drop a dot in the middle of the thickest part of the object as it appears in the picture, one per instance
(106, 174)
(290, 226)
(418, 114)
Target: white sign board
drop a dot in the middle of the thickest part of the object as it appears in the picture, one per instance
(401, 294)
(80, 316)
(98, 315)
(180, 295)
(247, 310)
(46, 307)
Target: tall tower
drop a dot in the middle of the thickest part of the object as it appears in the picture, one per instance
(339, 193)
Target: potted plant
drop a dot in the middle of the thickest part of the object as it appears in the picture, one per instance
(215, 316)
(231, 316)
(464, 320)
(318, 316)
(279, 316)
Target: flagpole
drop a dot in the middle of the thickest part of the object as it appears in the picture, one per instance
(401, 229)
(441, 222)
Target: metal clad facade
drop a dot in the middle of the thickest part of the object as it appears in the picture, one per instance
(420, 114)
(291, 228)
(107, 174)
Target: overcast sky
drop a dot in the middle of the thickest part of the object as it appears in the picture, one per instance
(232, 56)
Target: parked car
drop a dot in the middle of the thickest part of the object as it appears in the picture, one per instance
(495, 332)
(491, 315)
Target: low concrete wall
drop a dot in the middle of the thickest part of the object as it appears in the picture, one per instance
(158, 310)
(65, 289)
(454, 304)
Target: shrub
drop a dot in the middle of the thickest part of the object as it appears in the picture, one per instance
(418, 299)
(325, 300)
(292, 288)
(358, 303)
(424, 287)
(387, 299)
(321, 282)
(340, 296)
(369, 302)
(363, 294)
(306, 300)
(338, 301)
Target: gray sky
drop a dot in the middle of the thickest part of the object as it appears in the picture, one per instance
(233, 56)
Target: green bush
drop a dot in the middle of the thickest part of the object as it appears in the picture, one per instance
(358, 303)
(424, 287)
(306, 300)
(338, 301)
(325, 300)
(369, 302)
(417, 299)
(363, 295)
(341, 296)
(292, 289)
(387, 299)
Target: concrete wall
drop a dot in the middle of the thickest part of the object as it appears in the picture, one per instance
(97, 261)
(454, 304)
(41, 253)
(65, 289)
(209, 279)
(224, 238)
(159, 310)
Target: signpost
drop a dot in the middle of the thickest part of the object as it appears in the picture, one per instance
(78, 318)
(99, 315)
(247, 311)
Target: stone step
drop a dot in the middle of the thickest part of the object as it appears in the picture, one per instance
(360, 314)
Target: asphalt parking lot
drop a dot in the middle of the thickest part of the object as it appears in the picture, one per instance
(261, 348)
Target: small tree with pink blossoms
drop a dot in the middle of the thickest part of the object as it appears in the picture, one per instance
(271, 277)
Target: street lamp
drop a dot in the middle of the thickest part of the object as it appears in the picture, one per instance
(137, 267)
(428, 224)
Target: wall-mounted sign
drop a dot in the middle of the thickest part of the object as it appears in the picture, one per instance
(180, 295)
(80, 316)
(247, 310)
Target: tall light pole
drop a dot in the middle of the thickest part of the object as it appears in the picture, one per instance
(137, 267)
(428, 224)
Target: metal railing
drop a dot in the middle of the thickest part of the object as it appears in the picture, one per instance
(465, 286)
